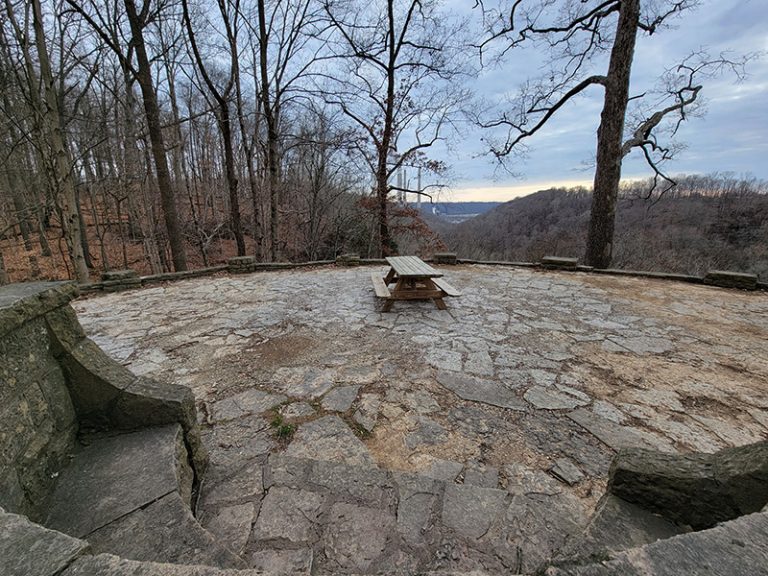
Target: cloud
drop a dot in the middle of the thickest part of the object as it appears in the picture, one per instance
(731, 137)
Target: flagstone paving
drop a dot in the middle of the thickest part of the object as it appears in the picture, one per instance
(343, 439)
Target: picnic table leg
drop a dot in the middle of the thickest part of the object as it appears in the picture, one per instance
(389, 277)
(439, 302)
(387, 306)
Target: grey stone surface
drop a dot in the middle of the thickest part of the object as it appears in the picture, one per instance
(699, 490)
(525, 539)
(564, 469)
(109, 565)
(282, 562)
(340, 399)
(367, 411)
(427, 431)
(617, 436)
(365, 485)
(251, 401)
(230, 525)
(651, 368)
(445, 470)
(552, 399)
(735, 548)
(485, 391)
(310, 383)
(417, 502)
(470, 511)
(115, 476)
(37, 418)
(476, 474)
(618, 525)
(288, 514)
(328, 438)
(163, 531)
(27, 549)
(356, 537)
(20, 303)
(297, 410)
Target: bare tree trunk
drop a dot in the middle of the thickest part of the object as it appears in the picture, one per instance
(610, 136)
(248, 146)
(154, 126)
(273, 165)
(62, 165)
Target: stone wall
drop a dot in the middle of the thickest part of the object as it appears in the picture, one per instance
(37, 419)
(55, 381)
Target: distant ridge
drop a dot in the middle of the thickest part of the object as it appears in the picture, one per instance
(705, 223)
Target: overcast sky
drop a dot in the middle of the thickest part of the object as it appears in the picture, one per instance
(732, 135)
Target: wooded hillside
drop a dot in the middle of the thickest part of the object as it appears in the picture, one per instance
(706, 222)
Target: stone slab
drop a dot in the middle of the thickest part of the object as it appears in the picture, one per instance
(288, 514)
(329, 438)
(296, 410)
(251, 401)
(617, 436)
(470, 511)
(109, 565)
(426, 433)
(366, 486)
(618, 525)
(564, 469)
(164, 531)
(282, 562)
(356, 537)
(552, 399)
(340, 399)
(735, 548)
(115, 476)
(28, 549)
(480, 390)
(231, 525)
(417, 500)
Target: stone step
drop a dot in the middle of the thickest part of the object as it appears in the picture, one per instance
(28, 549)
(734, 548)
(321, 517)
(129, 495)
(618, 525)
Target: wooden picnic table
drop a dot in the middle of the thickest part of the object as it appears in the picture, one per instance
(414, 279)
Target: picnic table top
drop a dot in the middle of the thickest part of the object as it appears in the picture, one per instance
(412, 267)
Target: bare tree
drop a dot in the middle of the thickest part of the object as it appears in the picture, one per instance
(398, 85)
(575, 31)
(230, 13)
(138, 20)
(44, 99)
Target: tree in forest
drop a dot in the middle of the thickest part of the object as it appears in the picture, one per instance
(399, 83)
(230, 15)
(289, 45)
(141, 70)
(575, 31)
(44, 98)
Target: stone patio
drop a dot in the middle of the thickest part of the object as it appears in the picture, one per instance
(477, 437)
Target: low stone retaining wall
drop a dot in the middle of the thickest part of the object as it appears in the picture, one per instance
(118, 280)
(55, 382)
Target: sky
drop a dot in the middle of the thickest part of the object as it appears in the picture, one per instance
(731, 136)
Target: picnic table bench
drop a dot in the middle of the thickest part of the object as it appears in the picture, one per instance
(413, 279)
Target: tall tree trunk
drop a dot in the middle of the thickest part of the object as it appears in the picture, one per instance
(62, 164)
(273, 165)
(154, 126)
(610, 136)
(386, 246)
(229, 162)
(3, 274)
(248, 146)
